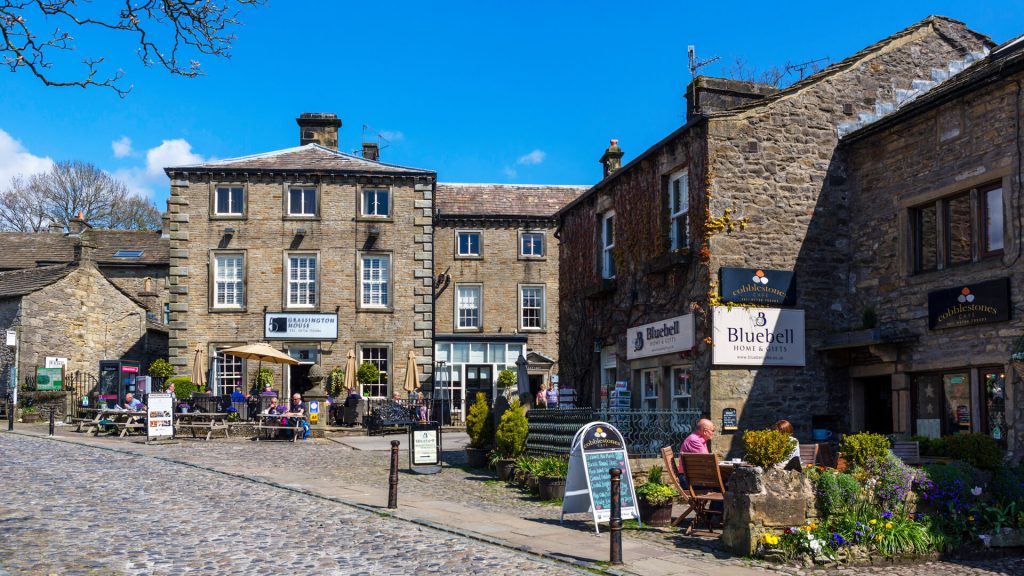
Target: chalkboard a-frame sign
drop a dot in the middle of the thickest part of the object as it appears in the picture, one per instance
(597, 448)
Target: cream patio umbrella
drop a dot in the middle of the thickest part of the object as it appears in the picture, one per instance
(350, 370)
(262, 352)
(411, 378)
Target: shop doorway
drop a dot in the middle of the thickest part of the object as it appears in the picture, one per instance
(536, 380)
(298, 379)
(876, 399)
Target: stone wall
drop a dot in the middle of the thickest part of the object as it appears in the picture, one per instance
(759, 502)
(339, 238)
(500, 270)
(133, 281)
(948, 149)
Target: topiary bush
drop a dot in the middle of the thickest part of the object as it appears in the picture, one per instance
(160, 368)
(510, 439)
(183, 387)
(978, 450)
(479, 424)
(368, 373)
(766, 448)
(507, 379)
(860, 449)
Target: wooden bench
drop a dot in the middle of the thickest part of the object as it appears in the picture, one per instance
(273, 422)
(908, 451)
(206, 422)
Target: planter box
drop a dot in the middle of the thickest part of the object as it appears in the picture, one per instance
(505, 469)
(656, 516)
(552, 488)
(476, 457)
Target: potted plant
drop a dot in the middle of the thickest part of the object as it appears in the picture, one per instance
(551, 472)
(336, 382)
(509, 440)
(655, 500)
(263, 380)
(524, 470)
(160, 370)
(508, 384)
(480, 428)
(30, 414)
(367, 374)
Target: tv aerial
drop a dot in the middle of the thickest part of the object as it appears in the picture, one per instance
(695, 63)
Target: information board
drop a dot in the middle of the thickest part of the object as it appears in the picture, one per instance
(49, 378)
(160, 416)
(596, 449)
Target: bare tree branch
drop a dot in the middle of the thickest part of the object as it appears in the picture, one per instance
(167, 31)
(20, 209)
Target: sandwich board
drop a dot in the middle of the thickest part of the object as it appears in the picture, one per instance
(160, 417)
(596, 449)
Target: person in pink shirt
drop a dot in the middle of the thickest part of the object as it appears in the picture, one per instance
(697, 442)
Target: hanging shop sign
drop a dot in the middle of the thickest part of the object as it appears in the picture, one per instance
(758, 337)
(757, 286)
(300, 326)
(596, 449)
(970, 304)
(662, 337)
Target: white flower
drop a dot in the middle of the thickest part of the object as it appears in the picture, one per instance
(976, 490)
(985, 538)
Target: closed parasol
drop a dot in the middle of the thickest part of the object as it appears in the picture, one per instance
(412, 380)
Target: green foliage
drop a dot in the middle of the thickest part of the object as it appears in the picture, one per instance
(510, 439)
(835, 491)
(368, 374)
(654, 492)
(654, 475)
(924, 445)
(552, 467)
(507, 379)
(978, 450)
(336, 382)
(526, 464)
(161, 368)
(479, 424)
(865, 447)
(766, 448)
(30, 409)
(263, 378)
(183, 387)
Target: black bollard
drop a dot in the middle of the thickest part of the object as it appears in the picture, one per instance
(10, 416)
(393, 478)
(51, 421)
(615, 522)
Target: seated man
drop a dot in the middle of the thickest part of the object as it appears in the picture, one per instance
(131, 403)
(296, 408)
(353, 398)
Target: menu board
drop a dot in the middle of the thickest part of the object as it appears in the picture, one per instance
(160, 416)
(596, 449)
(425, 447)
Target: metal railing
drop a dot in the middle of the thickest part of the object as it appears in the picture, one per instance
(645, 431)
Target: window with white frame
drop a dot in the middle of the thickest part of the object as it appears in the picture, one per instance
(302, 273)
(375, 281)
(678, 208)
(468, 243)
(649, 389)
(607, 245)
(468, 308)
(681, 390)
(229, 200)
(531, 307)
(531, 244)
(302, 201)
(378, 356)
(227, 374)
(377, 202)
(228, 280)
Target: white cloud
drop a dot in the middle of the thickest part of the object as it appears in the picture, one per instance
(15, 160)
(533, 158)
(392, 135)
(177, 152)
(509, 171)
(122, 147)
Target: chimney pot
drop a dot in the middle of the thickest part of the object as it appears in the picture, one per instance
(55, 227)
(371, 151)
(77, 225)
(612, 158)
(319, 128)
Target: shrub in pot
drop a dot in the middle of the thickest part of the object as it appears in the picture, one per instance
(524, 470)
(864, 447)
(509, 440)
(552, 471)
(655, 500)
(480, 428)
(766, 448)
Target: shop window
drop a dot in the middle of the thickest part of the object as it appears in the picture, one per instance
(378, 356)
(943, 403)
(945, 232)
(956, 388)
(649, 389)
(681, 389)
(994, 381)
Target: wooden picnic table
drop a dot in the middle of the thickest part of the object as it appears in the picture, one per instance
(202, 421)
(272, 421)
(122, 420)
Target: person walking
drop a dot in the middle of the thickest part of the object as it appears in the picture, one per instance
(541, 401)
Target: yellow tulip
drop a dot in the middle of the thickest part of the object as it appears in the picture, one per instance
(888, 524)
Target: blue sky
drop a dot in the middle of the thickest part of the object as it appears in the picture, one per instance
(479, 91)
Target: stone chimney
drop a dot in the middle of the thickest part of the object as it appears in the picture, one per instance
(318, 128)
(55, 227)
(612, 158)
(165, 225)
(371, 151)
(77, 225)
(83, 248)
(706, 94)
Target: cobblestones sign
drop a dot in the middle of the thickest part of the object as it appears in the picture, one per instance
(968, 305)
(300, 326)
(662, 337)
(160, 418)
(758, 286)
(425, 448)
(758, 337)
(597, 448)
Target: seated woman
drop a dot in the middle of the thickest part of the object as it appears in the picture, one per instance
(421, 408)
(785, 427)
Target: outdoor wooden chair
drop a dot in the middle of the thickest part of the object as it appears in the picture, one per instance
(808, 454)
(704, 483)
(909, 452)
(672, 471)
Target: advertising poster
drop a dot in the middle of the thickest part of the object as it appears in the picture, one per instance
(758, 337)
(160, 419)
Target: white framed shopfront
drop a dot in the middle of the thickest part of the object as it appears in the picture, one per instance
(661, 364)
(470, 360)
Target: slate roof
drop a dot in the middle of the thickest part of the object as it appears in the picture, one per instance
(311, 158)
(496, 200)
(21, 282)
(31, 249)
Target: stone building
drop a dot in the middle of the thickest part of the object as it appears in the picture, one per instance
(935, 259)
(318, 251)
(747, 203)
(84, 309)
(496, 258)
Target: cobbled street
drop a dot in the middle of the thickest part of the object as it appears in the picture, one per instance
(77, 510)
